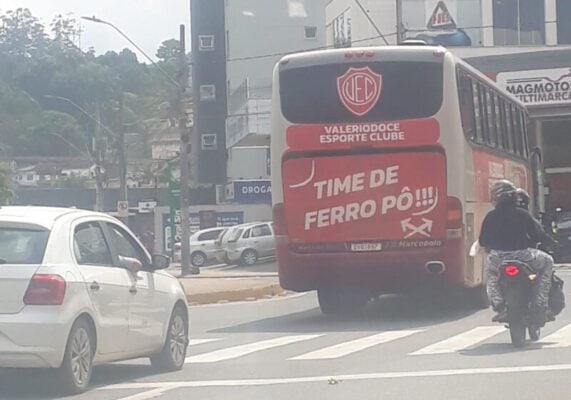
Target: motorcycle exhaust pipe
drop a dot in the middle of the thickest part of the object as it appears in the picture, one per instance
(435, 267)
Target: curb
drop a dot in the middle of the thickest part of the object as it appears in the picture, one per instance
(246, 294)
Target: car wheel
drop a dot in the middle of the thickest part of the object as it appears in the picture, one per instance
(198, 259)
(173, 355)
(249, 257)
(75, 371)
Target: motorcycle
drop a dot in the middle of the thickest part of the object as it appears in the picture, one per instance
(517, 280)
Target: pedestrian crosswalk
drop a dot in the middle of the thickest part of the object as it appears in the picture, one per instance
(329, 346)
(462, 341)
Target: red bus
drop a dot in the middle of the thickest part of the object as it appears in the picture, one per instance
(382, 160)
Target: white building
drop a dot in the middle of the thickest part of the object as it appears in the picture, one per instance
(258, 33)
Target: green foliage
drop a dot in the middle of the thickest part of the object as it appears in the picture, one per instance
(40, 65)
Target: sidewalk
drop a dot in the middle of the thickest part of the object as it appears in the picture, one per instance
(212, 286)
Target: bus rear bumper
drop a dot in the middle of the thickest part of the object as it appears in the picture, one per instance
(379, 272)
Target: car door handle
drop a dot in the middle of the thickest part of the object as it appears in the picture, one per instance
(95, 286)
(133, 290)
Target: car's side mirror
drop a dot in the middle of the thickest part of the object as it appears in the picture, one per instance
(131, 264)
(160, 261)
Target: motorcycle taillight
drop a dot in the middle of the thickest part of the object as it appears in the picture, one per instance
(511, 270)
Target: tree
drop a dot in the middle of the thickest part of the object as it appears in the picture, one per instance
(22, 39)
(6, 194)
(169, 50)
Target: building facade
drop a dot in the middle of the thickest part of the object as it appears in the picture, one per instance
(258, 34)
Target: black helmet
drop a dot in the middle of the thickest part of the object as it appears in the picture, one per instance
(502, 191)
(522, 199)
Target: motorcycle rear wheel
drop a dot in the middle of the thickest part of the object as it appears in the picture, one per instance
(517, 332)
(534, 332)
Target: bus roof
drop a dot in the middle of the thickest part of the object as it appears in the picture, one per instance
(412, 53)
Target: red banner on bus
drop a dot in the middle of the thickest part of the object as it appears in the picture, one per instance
(380, 198)
(409, 133)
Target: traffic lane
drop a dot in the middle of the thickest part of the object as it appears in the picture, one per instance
(549, 385)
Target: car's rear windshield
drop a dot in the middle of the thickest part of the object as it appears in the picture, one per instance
(22, 245)
(407, 90)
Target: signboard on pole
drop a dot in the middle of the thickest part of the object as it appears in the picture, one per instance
(122, 209)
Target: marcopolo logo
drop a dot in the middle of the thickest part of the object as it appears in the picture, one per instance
(359, 89)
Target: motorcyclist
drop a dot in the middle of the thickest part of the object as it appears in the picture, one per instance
(508, 233)
(548, 243)
(523, 199)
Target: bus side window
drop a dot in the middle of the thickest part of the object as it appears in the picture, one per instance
(511, 133)
(490, 114)
(524, 133)
(501, 132)
(478, 113)
(467, 106)
(517, 131)
(483, 113)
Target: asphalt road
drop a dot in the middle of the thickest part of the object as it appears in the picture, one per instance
(401, 347)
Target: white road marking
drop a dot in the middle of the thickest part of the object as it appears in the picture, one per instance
(353, 377)
(245, 349)
(462, 341)
(196, 342)
(558, 339)
(353, 346)
(149, 394)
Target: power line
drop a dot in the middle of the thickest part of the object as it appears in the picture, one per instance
(378, 36)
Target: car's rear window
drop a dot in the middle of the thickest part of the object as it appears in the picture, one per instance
(22, 246)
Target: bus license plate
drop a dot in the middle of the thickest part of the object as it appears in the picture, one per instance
(366, 246)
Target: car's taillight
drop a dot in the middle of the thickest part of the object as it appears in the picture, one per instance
(511, 270)
(280, 224)
(45, 290)
(454, 213)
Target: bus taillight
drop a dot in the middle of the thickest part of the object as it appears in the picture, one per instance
(454, 214)
(280, 224)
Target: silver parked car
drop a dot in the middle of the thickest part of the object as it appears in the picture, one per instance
(245, 244)
(202, 246)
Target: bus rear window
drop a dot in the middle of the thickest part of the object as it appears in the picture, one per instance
(407, 90)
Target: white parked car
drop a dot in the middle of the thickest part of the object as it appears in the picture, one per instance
(245, 244)
(78, 289)
(202, 246)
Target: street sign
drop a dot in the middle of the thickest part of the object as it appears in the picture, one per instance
(122, 209)
(441, 18)
(146, 207)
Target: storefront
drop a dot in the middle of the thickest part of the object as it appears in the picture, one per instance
(542, 80)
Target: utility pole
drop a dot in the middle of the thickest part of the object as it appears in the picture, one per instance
(400, 30)
(183, 74)
(99, 157)
(122, 158)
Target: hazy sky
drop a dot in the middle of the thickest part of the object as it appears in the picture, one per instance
(146, 22)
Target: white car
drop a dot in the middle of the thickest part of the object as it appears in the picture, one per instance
(202, 246)
(78, 289)
(245, 244)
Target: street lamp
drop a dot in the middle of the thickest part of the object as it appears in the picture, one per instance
(162, 71)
